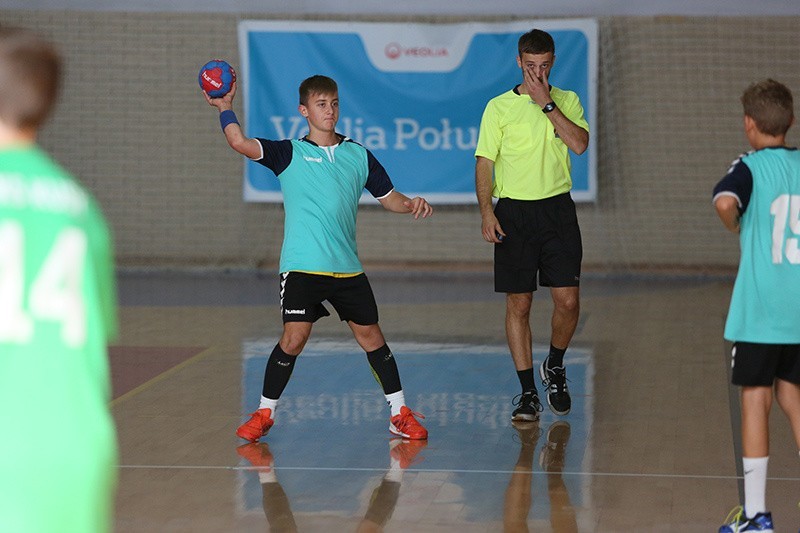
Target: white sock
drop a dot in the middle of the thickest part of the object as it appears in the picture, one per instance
(266, 403)
(755, 485)
(396, 400)
(267, 477)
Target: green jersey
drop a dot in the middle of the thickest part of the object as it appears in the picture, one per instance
(57, 314)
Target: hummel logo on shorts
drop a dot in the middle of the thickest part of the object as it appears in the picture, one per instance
(294, 312)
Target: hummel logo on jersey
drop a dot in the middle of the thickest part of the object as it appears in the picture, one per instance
(312, 159)
(294, 312)
(282, 363)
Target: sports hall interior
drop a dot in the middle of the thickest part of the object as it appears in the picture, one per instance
(650, 444)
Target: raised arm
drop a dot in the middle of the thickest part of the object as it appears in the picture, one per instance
(230, 125)
(397, 202)
(575, 137)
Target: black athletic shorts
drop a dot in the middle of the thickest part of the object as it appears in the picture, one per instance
(758, 365)
(302, 295)
(542, 240)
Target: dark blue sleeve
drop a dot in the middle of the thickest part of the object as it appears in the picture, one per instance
(378, 182)
(738, 182)
(277, 155)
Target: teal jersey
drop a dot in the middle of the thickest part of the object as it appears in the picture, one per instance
(765, 305)
(321, 187)
(57, 314)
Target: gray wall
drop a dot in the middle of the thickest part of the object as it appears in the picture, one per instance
(133, 126)
(471, 8)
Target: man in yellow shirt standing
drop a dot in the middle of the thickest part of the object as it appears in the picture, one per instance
(522, 158)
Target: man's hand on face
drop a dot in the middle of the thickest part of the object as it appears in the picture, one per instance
(538, 88)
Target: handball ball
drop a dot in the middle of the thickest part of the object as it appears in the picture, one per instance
(216, 78)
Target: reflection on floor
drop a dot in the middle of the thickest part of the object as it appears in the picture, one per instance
(647, 446)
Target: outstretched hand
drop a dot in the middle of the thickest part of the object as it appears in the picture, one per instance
(419, 207)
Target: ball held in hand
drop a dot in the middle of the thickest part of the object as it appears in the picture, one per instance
(216, 78)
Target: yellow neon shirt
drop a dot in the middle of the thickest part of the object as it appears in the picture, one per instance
(530, 161)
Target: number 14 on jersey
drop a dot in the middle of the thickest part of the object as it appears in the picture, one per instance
(53, 293)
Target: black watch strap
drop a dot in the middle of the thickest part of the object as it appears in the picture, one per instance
(548, 107)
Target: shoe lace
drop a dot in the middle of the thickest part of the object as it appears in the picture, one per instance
(527, 398)
(556, 378)
(735, 516)
(407, 418)
(262, 419)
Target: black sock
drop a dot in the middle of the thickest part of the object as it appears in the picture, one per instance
(526, 379)
(277, 374)
(556, 357)
(384, 368)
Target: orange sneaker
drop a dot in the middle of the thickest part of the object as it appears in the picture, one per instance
(407, 426)
(257, 426)
(405, 451)
(257, 454)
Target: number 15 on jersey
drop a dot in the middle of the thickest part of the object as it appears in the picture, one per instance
(786, 208)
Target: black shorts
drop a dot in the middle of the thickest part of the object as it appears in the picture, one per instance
(758, 365)
(302, 295)
(542, 240)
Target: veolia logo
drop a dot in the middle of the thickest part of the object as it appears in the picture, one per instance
(395, 50)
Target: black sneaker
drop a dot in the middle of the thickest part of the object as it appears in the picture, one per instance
(528, 406)
(555, 382)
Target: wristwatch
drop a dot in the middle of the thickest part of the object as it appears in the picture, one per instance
(548, 107)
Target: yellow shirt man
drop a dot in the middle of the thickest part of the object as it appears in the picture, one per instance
(522, 158)
(531, 161)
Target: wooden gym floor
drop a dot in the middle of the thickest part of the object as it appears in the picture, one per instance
(647, 447)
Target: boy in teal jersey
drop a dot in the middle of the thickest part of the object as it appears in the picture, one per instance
(57, 312)
(322, 177)
(759, 199)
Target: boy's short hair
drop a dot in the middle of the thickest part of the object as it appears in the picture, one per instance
(30, 75)
(536, 42)
(317, 84)
(769, 103)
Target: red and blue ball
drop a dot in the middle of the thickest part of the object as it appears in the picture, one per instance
(216, 78)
